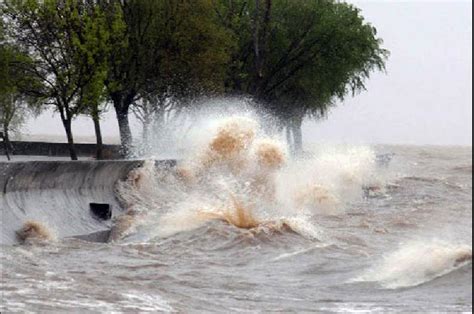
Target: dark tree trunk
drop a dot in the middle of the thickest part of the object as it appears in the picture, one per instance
(70, 138)
(146, 123)
(256, 50)
(298, 135)
(125, 132)
(256, 37)
(7, 153)
(122, 105)
(146, 132)
(289, 139)
(98, 136)
(146, 135)
(261, 32)
(6, 143)
(297, 125)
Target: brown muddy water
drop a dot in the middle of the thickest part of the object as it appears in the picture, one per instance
(306, 238)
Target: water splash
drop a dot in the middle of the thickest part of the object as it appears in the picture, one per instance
(241, 176)
(35, 232)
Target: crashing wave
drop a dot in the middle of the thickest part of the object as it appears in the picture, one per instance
(241, 177)
(417, 263)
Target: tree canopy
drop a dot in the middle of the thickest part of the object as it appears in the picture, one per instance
(295, 58)
(15, 102)
(165, 49)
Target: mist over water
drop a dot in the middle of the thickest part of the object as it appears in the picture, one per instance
(241, 225)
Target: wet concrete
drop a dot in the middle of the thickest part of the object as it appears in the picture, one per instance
(21, 148)
(58, 194)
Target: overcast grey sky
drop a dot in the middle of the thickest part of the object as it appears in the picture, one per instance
(425, 98)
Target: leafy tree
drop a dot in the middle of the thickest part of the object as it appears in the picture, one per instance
(296, 57)
(192, 55)
(43, 29)
(6, 91)
(68, 42)
(132, 58)
(91, 47)
(164, 49)
(15, 105)
(13, 114)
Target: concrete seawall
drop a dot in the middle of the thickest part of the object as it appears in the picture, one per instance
(60, 149)
(58, 194)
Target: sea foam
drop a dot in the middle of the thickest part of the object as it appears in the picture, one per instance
(239, 175)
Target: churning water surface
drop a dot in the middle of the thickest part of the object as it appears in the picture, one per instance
(239, 227)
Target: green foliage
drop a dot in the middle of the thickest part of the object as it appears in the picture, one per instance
(91, 46)
(194, 48)
(15, 105)
(65, 41)
(297, 56)
(173, 47)
(163, 49)
(42, 31)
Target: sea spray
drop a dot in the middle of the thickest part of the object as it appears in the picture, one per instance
(34, 231)
(241, 176)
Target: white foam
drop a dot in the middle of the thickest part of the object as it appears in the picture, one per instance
(267, 190)
(141, 302)
(418, 262)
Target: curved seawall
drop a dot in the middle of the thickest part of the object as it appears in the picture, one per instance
(58, 195)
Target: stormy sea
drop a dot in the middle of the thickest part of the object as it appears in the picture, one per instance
(239, 225)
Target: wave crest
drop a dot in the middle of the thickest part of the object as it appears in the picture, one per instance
(418, 262)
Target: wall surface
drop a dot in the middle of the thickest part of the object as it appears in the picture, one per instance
(59, 149)
(58, 195)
